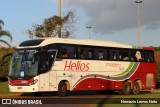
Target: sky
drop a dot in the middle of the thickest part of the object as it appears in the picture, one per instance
(110, 20)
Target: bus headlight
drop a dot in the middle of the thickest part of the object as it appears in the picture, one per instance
(34, 82)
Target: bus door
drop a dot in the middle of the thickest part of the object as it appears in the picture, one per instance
(46, 78)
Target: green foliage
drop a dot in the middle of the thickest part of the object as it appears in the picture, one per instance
(157, 48)
(5, 90)
(51, 26)
(1, 23)
(5, 68)
(4, 33)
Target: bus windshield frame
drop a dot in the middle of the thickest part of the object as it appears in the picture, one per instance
(21, 66)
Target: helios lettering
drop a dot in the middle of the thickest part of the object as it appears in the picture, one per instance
(79, 66)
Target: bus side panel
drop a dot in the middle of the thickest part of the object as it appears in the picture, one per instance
(146, 72)
(52, 80)
(98, 84)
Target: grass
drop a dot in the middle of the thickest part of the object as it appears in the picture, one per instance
(4, 89)
(125, 105)
(111, 100)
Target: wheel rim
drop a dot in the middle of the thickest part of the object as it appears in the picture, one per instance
(127, 88)
(136, 88)
(63, 88)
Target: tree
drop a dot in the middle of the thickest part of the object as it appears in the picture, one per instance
(4, 33)
(4, 70)
(50, 26)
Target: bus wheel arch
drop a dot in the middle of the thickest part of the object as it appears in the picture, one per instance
(68, 85)
(63, 88)
(140, 83)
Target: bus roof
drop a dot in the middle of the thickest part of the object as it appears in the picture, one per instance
(33, 43)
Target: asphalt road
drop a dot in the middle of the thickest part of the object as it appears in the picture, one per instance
(78, 99)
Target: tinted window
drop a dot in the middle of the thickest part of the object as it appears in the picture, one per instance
(149, 56)
(100, 54)
(133, 57)
(125, 55)
(66, 51)
(83, 53)
(90, 53)
(31, 42)
(113, 55)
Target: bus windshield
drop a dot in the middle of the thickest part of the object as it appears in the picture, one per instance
(21, 65)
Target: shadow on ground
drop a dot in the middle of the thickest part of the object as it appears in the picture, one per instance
(82, 93)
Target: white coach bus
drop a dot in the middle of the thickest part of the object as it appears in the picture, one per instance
(55, 64)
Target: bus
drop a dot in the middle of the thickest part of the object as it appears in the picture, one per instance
(64, 65)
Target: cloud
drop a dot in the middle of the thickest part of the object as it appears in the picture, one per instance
(108, 16)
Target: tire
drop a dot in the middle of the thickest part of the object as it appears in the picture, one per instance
(126, 88)
(62, 89)
(136, 88)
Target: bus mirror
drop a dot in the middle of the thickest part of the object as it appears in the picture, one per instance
(4, 57)
(34, 57)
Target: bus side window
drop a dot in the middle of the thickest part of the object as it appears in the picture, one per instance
(90, 54)
(139, 56)
(143, 56)
(68, 52)
(95, 54)
(74, 53)
(113, 55)
(99, 54)
(71, 52)
(149, 57)
(120, 56)
(105, 57)
(125, 56)
(132, 58)
(62, 52)
(82, 53)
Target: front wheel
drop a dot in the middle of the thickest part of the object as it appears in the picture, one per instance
(136, 88)
(62, 89)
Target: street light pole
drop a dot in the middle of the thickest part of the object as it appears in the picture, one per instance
(59, 14)
(139, 21)
(89, 30)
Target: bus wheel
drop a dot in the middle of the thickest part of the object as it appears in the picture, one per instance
(126, 88)
(136, 88)
(62, 89)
